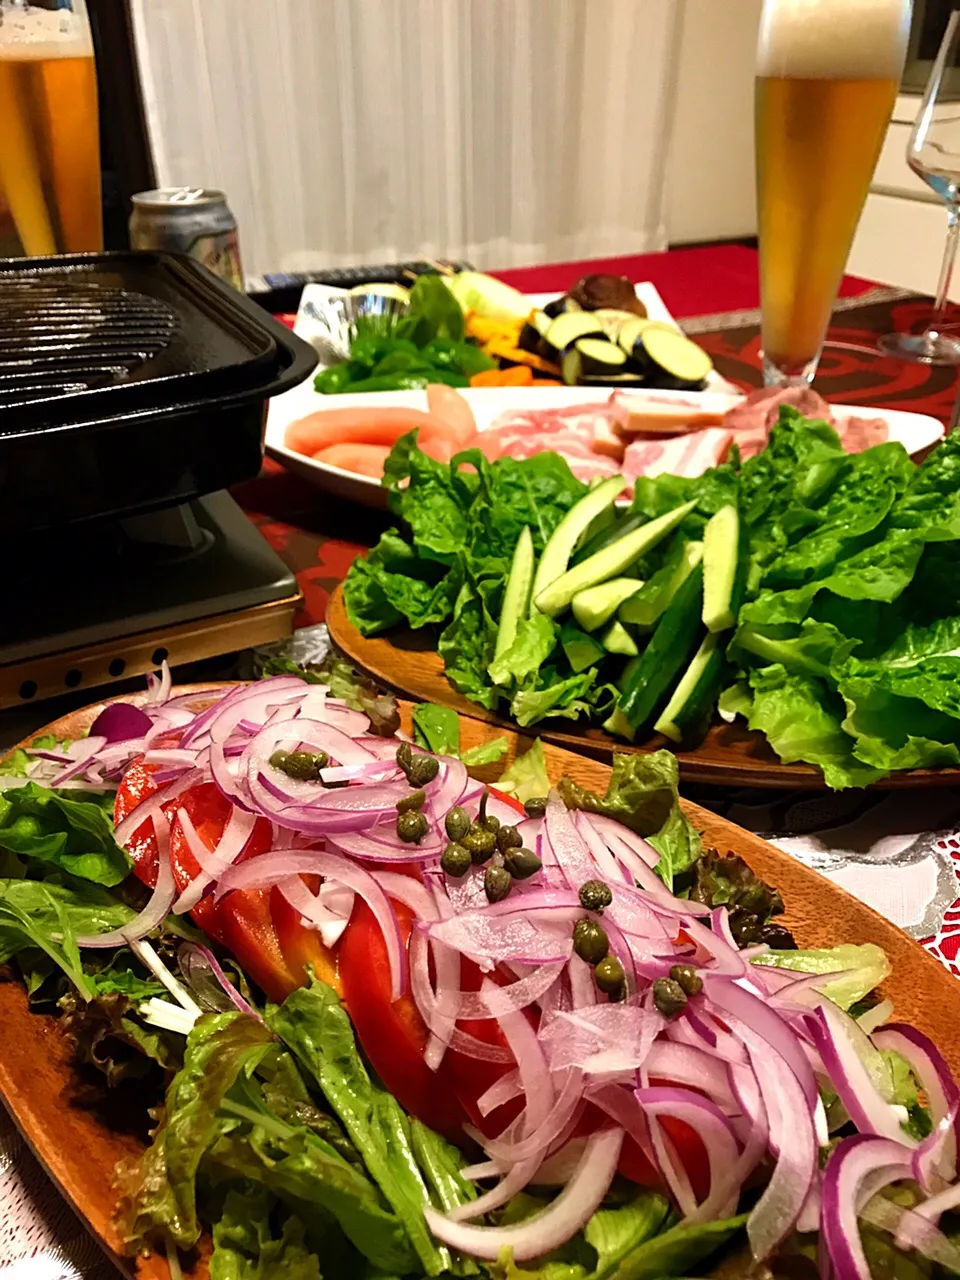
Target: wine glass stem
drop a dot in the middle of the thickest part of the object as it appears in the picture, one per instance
(946, 272)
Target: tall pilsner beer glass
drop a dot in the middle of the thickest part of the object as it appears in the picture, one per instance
(827, 77)
(49, 137)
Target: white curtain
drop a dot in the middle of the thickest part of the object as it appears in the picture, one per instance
(345, 131)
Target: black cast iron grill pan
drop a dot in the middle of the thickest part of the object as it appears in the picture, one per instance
(129, 382)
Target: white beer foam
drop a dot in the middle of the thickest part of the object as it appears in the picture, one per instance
(30, 32)
(833, 39)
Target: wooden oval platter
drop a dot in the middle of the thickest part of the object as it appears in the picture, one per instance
(730, 755)
(80, 1151)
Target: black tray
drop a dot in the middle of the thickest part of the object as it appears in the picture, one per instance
(130, 382)
(280, 293)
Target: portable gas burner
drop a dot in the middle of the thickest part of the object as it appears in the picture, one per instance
(133, 387)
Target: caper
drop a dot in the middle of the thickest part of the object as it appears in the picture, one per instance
(536, 806)
(521, 863)
(610, 978)
(412, 827)
(686, 977)
(669, 997)
(404, 755)
(456, 860)
(480, 843)
(422, 769)
(497, 883)
(305, 766)
(508, 838)
(595, 895)
(457, 823)
(590, 940)
(414, 800)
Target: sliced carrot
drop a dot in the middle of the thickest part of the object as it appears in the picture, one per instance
(519, 375)
(362, 459)
(501, 350)
(448, 406)
(358, 426)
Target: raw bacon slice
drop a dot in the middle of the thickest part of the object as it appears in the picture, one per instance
(688, 455)
(857, 434)
(753, 418)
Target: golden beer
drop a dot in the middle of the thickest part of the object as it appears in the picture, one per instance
(49, 136)
(824, 95)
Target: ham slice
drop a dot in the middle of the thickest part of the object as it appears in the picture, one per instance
(658, 415)
(688, 455)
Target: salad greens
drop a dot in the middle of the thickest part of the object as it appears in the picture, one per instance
(274, 1132)
(846, 647)
(426, 345)
(437, 729)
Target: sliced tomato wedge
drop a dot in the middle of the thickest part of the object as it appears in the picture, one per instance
(392, 1033)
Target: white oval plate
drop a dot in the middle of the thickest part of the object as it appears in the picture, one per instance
(915, 431)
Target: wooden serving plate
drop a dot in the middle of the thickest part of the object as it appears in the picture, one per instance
(80, 1153)
(730, 755)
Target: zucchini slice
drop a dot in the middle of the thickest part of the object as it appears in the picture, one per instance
(591, 358)
(567, 328)
(671, 360)
(611, 321)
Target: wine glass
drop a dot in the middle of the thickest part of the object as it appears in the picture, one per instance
(933, 152)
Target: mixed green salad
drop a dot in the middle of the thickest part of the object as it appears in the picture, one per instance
(243, 906)
(812, 593)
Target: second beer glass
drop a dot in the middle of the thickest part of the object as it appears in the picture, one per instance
(827, 78)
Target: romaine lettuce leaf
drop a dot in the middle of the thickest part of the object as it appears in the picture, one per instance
(802, 718)
(527, 777)
(865, 967)
(66, 829)
(520, 664)
(642, 794)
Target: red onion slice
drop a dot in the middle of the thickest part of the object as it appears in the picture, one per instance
(317, 909)
(159, 902)
(570, 1211)
(193, 956)
(844, 1049)
(854, 1161)
(121, 721)
(273, 868)
(729, 998)
(568, 846)
(714, 1131)
(212, 863)
(935, 1078)
(153, 805)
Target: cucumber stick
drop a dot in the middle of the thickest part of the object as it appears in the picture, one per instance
(594, 606)
(560, 544)
(606, 564)
(516, 594)
(722, 571)
(617, 639)
(677, 634)
(694, 698)
(582, 651)
(645, 608)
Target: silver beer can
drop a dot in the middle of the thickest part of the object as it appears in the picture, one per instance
(193, 220)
